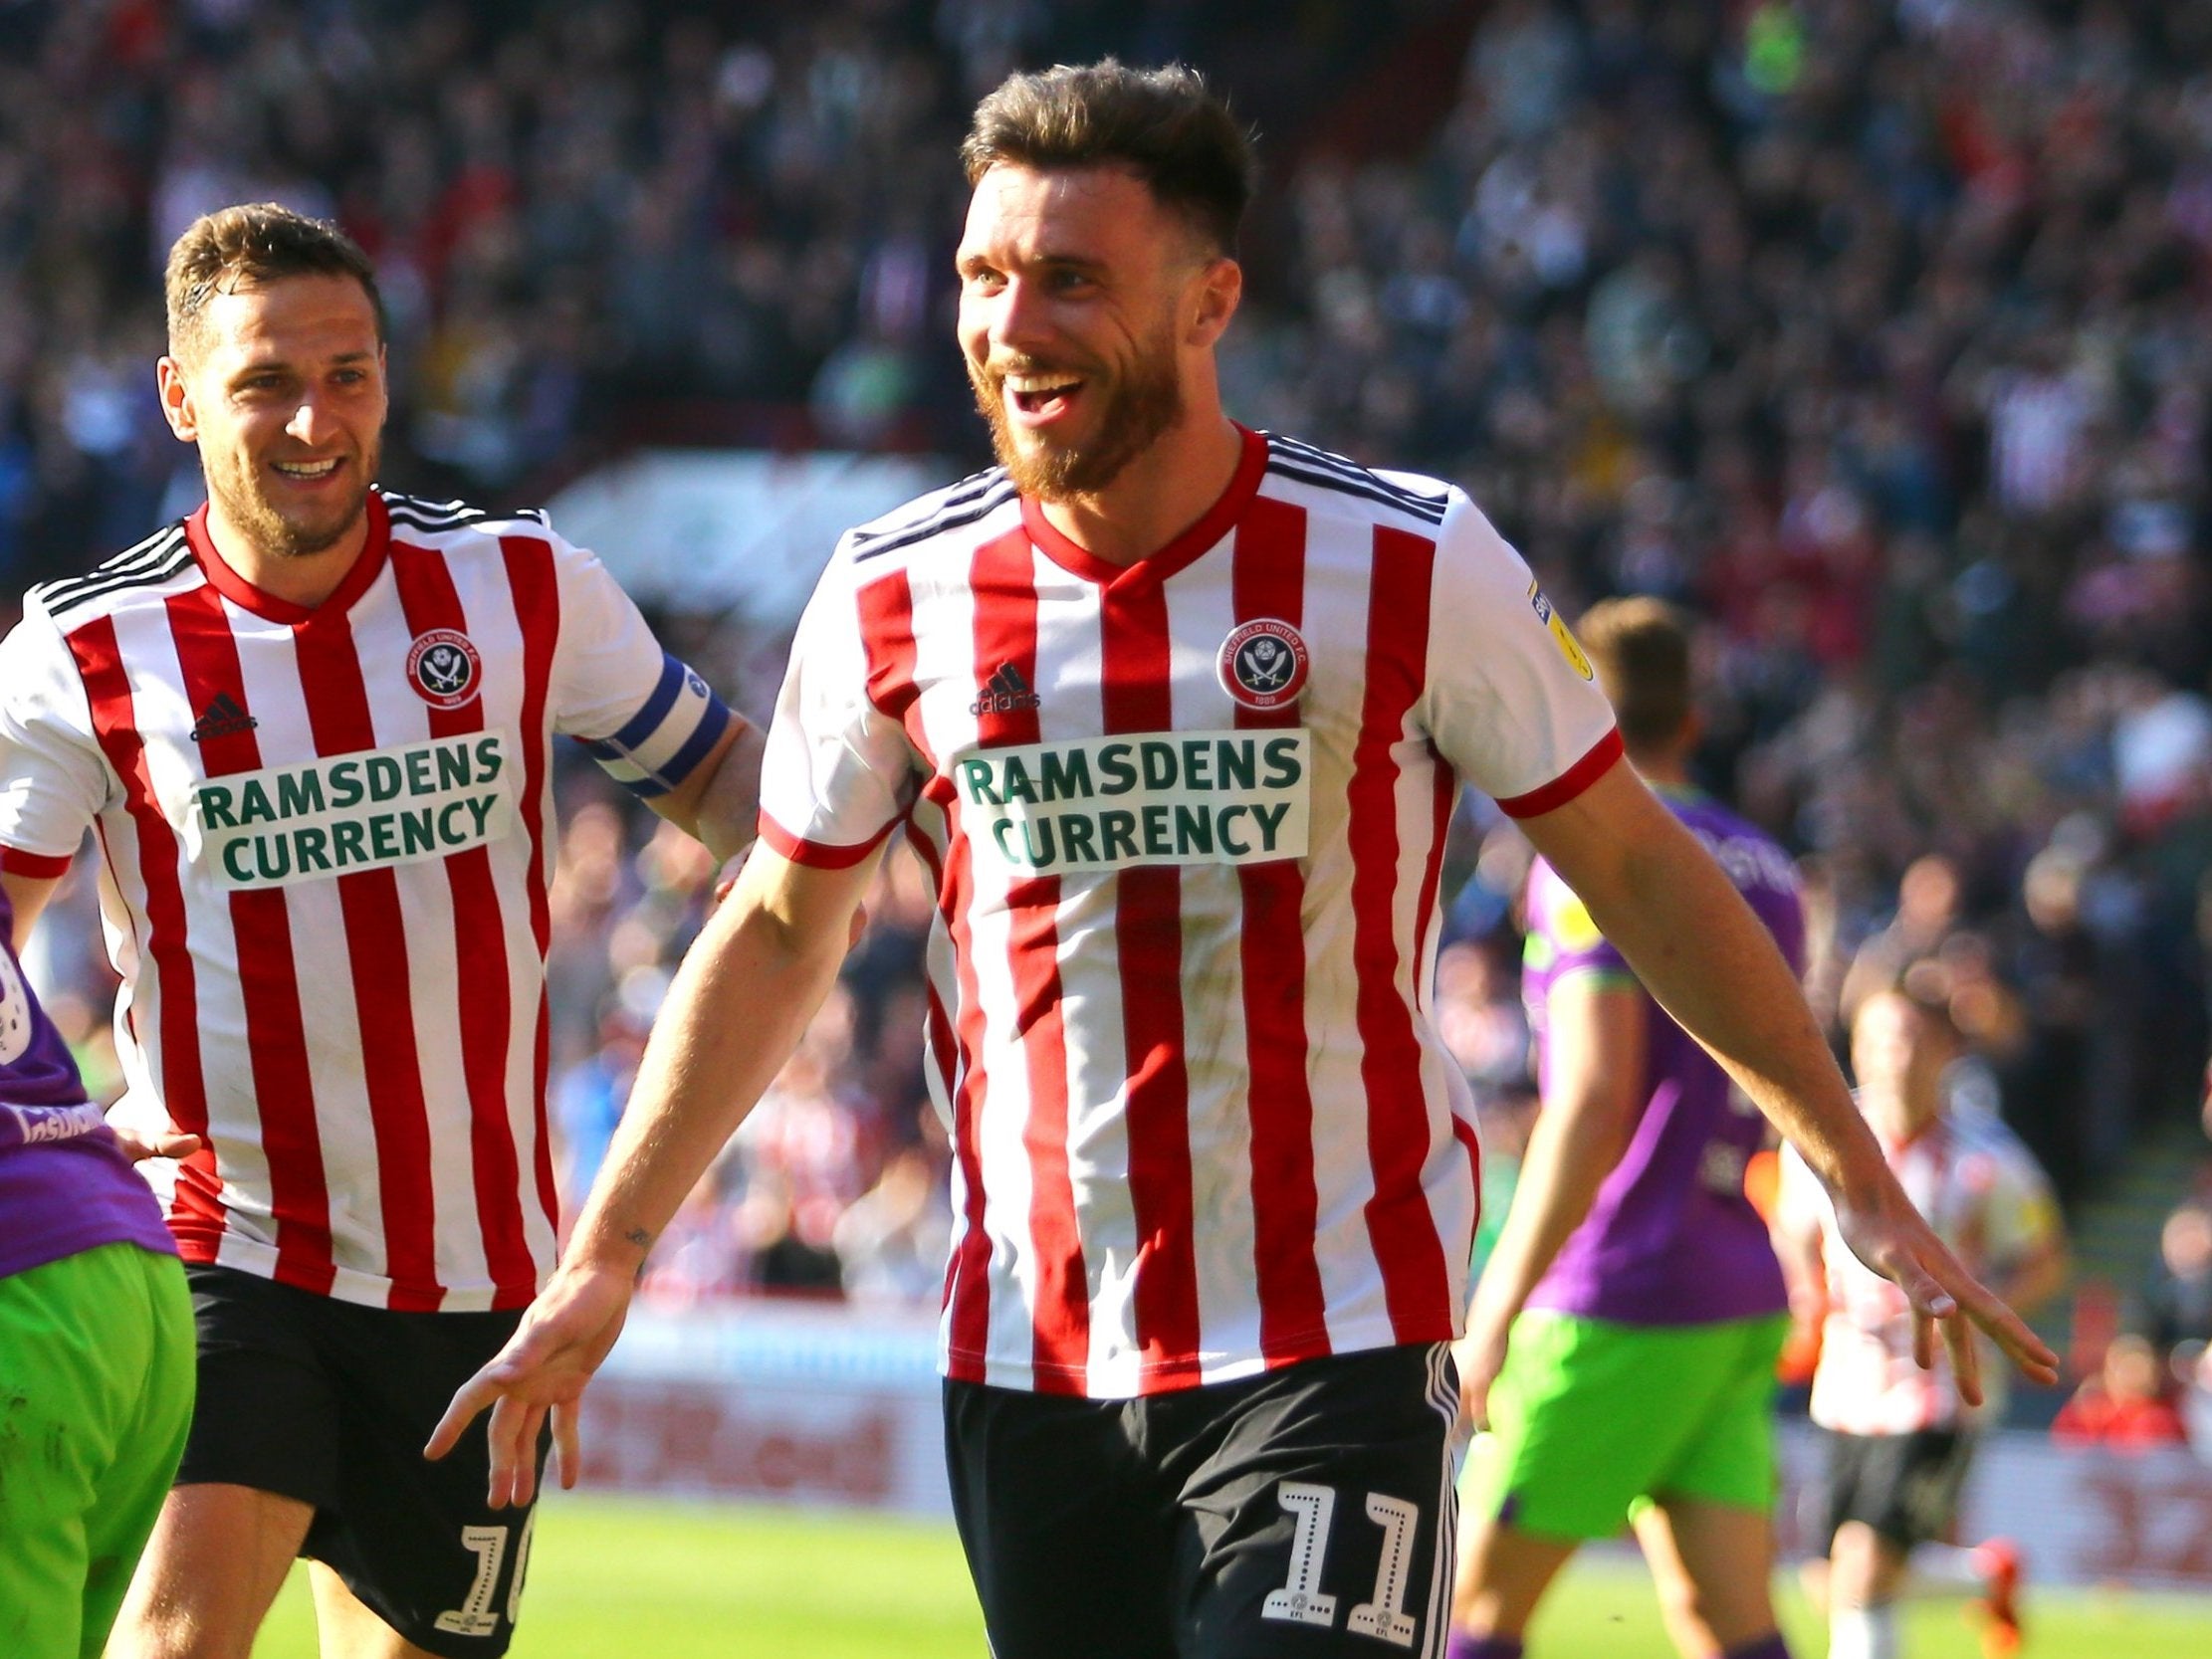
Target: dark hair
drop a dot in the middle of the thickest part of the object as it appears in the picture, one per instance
(1640, 649)
(251, 246)
(1164, 125)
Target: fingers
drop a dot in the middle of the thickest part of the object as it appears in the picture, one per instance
(470, 1399)
(1966, 1360)
(2010, 1332)
(568, 1452)
(1923, 1338)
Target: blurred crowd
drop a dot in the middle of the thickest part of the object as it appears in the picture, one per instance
(1877, 333)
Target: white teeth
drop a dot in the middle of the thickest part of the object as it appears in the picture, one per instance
(1028, 384)
(306, 469)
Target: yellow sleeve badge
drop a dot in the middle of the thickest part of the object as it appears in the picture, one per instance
(1549, 616)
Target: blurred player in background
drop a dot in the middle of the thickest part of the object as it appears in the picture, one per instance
(312, 723)
(1899, 1439)
(95, 1341)
(1175, 711)
(1643, 1301)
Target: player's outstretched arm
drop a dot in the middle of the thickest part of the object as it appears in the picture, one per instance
(720, 803)
(1698, 949)
(738, 1005)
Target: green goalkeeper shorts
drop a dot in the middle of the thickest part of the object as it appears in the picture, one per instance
(1591, 1420)
(95, 1393)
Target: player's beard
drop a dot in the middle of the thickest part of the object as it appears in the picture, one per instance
(236, 484)
(1134, 408)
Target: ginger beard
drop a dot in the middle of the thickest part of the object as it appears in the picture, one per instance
(1133, 409)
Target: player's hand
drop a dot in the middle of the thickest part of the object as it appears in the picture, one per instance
(1480, 1355)
(540, 1372)
(1886, 1233)
(168, 1142)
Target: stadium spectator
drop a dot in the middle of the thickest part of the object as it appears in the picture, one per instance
(1644, 1303)
(2125, 1407)
(1112, 1158)
(2175, 1305)
(312, 723)
(96, 1338)
(1898, 1442)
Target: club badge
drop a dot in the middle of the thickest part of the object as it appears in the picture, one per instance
(443, 668)
(1262, 663)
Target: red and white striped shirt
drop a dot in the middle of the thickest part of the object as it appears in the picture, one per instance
(325, 837)
(1186, 821)
(1988, 1199)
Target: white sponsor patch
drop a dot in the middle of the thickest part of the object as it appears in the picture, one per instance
(370, 810)
(1113, 803)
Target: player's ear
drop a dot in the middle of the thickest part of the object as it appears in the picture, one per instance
(176, 400)
(1220, 286)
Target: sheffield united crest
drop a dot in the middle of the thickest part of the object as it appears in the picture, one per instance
(1262, 663)
(443, 668)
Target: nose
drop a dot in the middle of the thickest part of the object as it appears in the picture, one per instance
(1018, 319)
(310, 421)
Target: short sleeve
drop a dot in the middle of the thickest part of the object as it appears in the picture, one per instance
(53, 780)
(839, 771)
(646, 718)
(1511, 701)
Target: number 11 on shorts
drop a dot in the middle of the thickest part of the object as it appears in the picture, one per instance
(1303, 1601)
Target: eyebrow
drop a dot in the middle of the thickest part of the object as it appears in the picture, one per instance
(1062, 261)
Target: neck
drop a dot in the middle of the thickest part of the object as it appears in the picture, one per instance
(303, 579)
(1157, 495)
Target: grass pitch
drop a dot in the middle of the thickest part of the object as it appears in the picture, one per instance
(613, 1578)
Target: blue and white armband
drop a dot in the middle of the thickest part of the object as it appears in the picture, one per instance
(665, 740)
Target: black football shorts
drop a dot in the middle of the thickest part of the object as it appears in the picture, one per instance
(1905, 1486)
(1306, 1511)
(330, 1402)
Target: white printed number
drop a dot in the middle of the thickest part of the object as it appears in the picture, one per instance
(1302, 1602)
(473, 1618)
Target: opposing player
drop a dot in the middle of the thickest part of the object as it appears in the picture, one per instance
(1899, 1440)
(313, 725)
(95, 1343)
(1641, 1377)
(1175, 714)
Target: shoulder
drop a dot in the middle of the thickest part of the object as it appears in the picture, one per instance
(1315, 475)
(457, 526)
(146, 571)
(942, 518)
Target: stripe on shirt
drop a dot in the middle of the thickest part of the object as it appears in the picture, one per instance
(430, 600)
(377, 950)
(1415, 1283)
(1002, 577)
(195, 1212)
(268, 970)
(1136, 696)
(1269, 582)
(537, 593)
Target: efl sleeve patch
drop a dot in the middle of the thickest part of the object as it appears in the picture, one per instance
(665, 740)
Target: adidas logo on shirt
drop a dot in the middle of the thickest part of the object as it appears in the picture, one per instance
(222, 718)
(1004, 693)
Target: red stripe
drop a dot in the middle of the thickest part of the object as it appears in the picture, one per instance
(196, 1212)
(537, 593)
(1148, 933)
(376, 951)
(1569, 783)
(486, 1006)
(817, 855)
(1415, 1285)
(1431, 872)
(1268, 580)
(38, 866)
(268, 973)
(886, 619)
(1002, 577)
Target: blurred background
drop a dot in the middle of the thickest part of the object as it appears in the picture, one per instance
(1878, 333)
